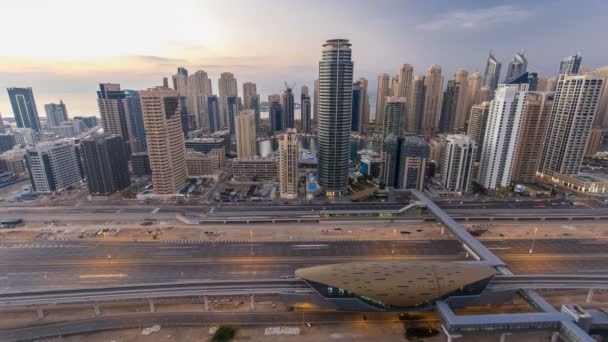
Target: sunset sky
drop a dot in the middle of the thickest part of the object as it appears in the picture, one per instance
(64, 48)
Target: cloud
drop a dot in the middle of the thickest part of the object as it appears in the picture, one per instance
(475, 18)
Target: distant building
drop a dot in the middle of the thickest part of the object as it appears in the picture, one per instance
(371, 167)
(140, 164)
(209, 145)
(305, 111)
(24, 108)
(227, 86)
(517, 66)
(477, 125)
(214, 113)
(136, 121)
(492, 72)
(249, 92)
(56, 113)
(456, 163)
(245, 135)
(406, 79)
(595, 139)
(232, 104)
(433, 85)
(288, 164)
(364, 104)
(275, 113)
(288, 104)
(448, 107)
(53, 166)
(394, 116)
(106, 164)
(462, 111)
(570, 65)
(357, 109)
(384, 90)
(7, 142)
(25, 136)
(413, 155)
(529, 78)
(13, 161)
(414, 119)
(390, 160)
(315, 105)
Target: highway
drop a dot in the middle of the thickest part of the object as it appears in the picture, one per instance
(60, 264)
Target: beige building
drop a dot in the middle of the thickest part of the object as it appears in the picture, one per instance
(473, 92)
(460, 118)
(199, 164)
(406, 77)
(601, 118)
(477, 125)
(383, 91)
(288, 164)
(551, 84)
(249, 92)
(595, 139)
(485, 94)
(162, 121)
(263, 168)
(227, 86)
(114, 112)
(395, 85)
(433, 83)
(415, 106)
(542, 83)
(245, 134)
(365, 106)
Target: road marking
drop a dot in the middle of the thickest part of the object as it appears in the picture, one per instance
(309, 246)
(155, 210)
(110, 275)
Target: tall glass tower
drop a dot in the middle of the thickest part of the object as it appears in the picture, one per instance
(335, 100)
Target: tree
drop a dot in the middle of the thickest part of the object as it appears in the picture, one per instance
(223, 334)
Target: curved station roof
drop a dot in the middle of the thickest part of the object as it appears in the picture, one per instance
(398, 283)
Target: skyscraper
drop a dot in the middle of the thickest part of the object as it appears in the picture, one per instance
(406, 76)
(365, 106)
(473, 92)
(390, 159)
(315, 105)
(381, 94)
(457, 157)
(433, 84)
(574, 108)
(517, 66)
(197, 91)
(24, 108)
(232, 105)
(335, 95)
(56, 113)
(570, 65)
(477, 125)
(275, 113)
(166, 151)
(460, 118)
(106, 164)
(502, 136)
(492, 72)
(114, 112)
(448, 107)
(213, 110)
(245, 135)
(532, 135)
(394, 116)
(227, 87)
(136, 121)
(542, 84)
(53, 165)
(249, 91)
(485, 94)
(394, 85)
(413, 154)
(415, 106)
(551, 84)
(305, 109)
(355, 123)
(288, 103)
(601, 118)
(288, 164)
(255, 105)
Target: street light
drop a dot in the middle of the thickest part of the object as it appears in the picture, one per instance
(533, 239)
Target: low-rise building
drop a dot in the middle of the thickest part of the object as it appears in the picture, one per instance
(262, 168)
(201, 164)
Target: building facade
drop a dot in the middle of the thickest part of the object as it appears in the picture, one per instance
(56, 113)
(413, 155)
(458, 154)
(477, 125)
(288, 164)
(570, 65)
(227, 86)
(433, 85)
(24, 108)
(53, 166)
(415, 106)
(305, 111)
(449, 105)
(245, 135)
(106, 164)
(491, 73)
(288, 104)
(384, 90)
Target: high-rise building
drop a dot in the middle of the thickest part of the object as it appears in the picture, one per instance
(305, 109)
(415, 106)
(249, 91)
(517, 66)
(7, 142)
(394, 85)
(390, 159)
(596, 136)
(570, 65)
(601, 118)
(485, 94)
(2, 127)
(381, 94)
(460, 118)
(255, 105)
(365, 106)
(473, 92)
(502, 136)
(56, 113)
(535, 119)
(140, 164)
(275, 113)
(288, 164)
(335, 100)
(477, 125)
(197, 91)
(492, 72)
(457, 157)
(227, 86)
(232, 105)
(413, 155)
(315, 105)
(528, 77)
(106, 163)
(213, 110)
(433, 85)
(357, 108)
(542, 84)
(394, 116)
(24, 108)
(448, 107)
(406, 76)
(288, 104)
(114, 112)
(162, 120)
(136, 121)
(574, 108)
(245, 134)
(53, 166)
(551, 84)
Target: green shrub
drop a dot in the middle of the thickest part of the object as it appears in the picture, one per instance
(224, 334)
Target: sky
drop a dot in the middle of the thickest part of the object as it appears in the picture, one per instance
(64, 48)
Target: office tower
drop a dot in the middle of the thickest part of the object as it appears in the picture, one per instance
(365, 106)
(601, 118)
(517, 66)
(394, 85)
(288, 164)
(415, 106)
(53, 165)
(413, 154)
(164, 137)
(477, 125)
(390, 160)
(492, 72)
(394, 116)
(355, 123)
(226, 87)
(570, 65)
(542, 84)
(140, 164)
(56, 113)
(215, 146)
(460, 117)
(502, 136)
(574, 108)
(551, 84)
(106, 163)
(596, 136)
(288, 105)
(485, 94)
(406, 76)
(232, 105)
(196, 99)
(381, 94)
(335, 99)
(136, 121)
(245, 135)
(448, 107)
(457, 157)
(473, 91)
(275, 113)
(305, 109)
(24, 108)
(537, 111)
(315, 105)
(114, 112)
(433, 85)
(213, 110)
(249, 91)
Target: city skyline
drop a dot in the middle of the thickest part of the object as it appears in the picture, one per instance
(467, 30)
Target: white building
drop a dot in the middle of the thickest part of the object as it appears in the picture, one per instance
(457, 157)
(53, 165)
(502, 135)
(288, 164)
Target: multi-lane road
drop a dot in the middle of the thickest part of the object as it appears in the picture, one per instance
(59, 264)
